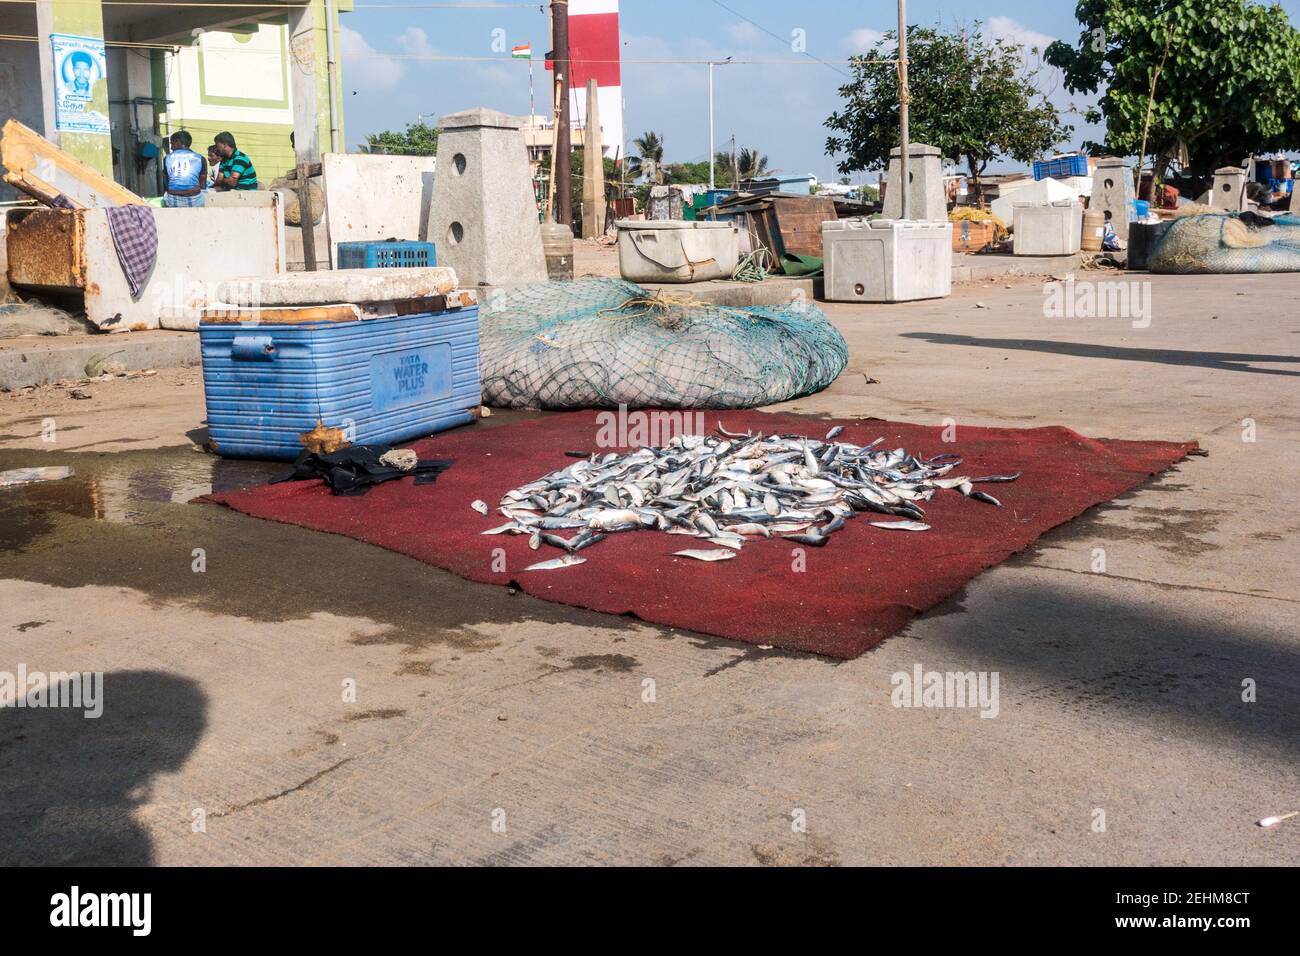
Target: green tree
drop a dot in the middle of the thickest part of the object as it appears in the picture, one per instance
(973, 98)
(686, 173)
(1220, 77)
(649, 152)
(418, 139)
(751, 164)
(577, 168)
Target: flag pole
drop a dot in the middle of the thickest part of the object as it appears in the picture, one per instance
(531, 108)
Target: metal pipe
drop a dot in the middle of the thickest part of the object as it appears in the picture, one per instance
(331, 75)
(904, 178)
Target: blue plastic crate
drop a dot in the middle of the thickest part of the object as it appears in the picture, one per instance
(379, 380)
(391, 254)
(1061, 166)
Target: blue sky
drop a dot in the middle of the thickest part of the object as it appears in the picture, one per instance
(778, 108)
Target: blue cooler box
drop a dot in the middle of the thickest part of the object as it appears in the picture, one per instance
(383, 380)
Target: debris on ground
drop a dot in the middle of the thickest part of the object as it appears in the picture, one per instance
(27, 476)
(353, 470)
(728, 488)
(1274, 821)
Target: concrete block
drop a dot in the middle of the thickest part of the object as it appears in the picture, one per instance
(483, 216)
(1228, 193)
(195, 252)
(373, 197)
(40, 360)
(926, 198)
(1041, 191)
(1112, 192)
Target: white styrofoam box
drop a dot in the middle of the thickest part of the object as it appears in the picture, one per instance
(887, 260)
(674, 250)
(1041, 191)
(1047, 229)
(1080, 185)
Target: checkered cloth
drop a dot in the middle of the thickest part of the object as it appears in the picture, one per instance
(136, 238)
(173, 202)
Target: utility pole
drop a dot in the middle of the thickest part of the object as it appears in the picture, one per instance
(710, 125)
(561, 183)
(903, 97)
(712, 64)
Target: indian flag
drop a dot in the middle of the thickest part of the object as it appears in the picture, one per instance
(524, 52)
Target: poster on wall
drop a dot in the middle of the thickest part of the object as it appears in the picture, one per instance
(79, 63)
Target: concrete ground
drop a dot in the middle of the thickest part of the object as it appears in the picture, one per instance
(494, 728)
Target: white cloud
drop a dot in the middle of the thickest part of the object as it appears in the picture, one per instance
(364, 68)
(743, 32)
(862, 39)
(1015, 33)
(413, 41)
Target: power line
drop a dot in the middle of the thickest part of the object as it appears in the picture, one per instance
(465, 58)
(827, 63)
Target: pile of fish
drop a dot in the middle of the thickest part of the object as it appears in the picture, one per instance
(723, 489)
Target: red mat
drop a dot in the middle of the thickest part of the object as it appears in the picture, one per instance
(861, 587)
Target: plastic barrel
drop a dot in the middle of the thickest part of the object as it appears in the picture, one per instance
(557, 244)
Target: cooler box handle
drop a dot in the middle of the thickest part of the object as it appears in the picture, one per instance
(252, 348)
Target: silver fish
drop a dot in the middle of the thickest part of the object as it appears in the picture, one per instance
(721, 554)
(479, 506)
(564, 561)
(731, 487)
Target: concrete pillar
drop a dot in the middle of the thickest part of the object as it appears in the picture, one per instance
(83, 18)
(1112, 189)
(593, 173)
(309, 82)
(483, 216)
(926, 199)
(1228, 193)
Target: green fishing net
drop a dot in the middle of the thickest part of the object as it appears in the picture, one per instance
(1219, 243)
(599, 343)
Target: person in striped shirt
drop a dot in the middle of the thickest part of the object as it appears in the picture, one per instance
(236, 171)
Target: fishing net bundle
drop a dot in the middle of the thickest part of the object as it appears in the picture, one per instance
(599, 343)
(1224, 243)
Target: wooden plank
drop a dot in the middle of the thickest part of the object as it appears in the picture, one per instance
(799, 221)
(281, 315)
(23, 151)
(305, 214)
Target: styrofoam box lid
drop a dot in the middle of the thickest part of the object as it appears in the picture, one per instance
(641, 224)
(911, 225)
(338, 285)
(1043, 205)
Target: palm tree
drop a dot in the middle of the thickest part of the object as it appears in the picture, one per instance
(751, 164)
(650, 150)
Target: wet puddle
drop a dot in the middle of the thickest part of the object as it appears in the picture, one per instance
(129, 487)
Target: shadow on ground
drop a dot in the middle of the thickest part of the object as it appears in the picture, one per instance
(1174, 663)
(70, 784)
(1226, 361)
